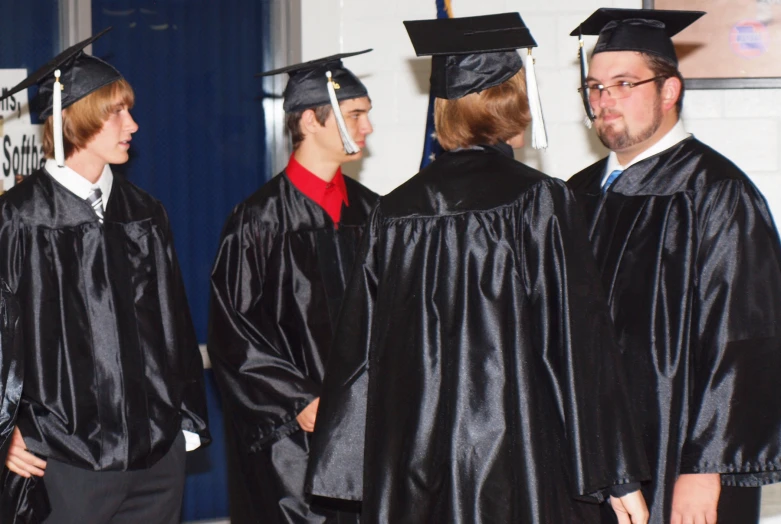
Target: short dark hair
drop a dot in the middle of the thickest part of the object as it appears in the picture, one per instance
(664, 68)
(293, 122)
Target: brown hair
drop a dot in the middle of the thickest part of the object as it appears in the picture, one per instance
(666, 69)
(488, 117)
(84, 119)
(293, 122)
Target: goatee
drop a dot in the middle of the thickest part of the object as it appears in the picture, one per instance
(619, 140)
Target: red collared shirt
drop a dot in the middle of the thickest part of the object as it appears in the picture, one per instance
(328, 195)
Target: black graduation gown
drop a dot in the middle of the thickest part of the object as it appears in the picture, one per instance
(11, 365)
(691, 263)
(474, 377)
(277, 284)
(112, 368)
(11, 384)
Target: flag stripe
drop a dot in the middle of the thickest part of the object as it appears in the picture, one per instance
(431, 147)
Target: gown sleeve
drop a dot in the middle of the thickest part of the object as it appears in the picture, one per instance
(575, 336)
(11, 365)
(12, 249)
(11, 348)
(261, 385)
(193, 405)
(337, 452)
(735, 422)
(21, 499)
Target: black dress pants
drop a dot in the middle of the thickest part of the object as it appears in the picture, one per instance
(148, 496)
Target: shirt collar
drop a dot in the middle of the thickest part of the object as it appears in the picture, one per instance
(673, 136)
(313, 186)
(77, 184)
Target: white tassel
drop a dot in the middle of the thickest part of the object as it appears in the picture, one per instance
(349, 145)
(59, 149)
(588, 121)
(539, 135)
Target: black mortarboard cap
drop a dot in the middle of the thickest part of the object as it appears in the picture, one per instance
(645, 30)
(470, 54)
(81, 74)
(307, 86)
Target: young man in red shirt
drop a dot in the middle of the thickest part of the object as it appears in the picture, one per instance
(277, 284)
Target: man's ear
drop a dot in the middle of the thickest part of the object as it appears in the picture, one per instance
(671, 91)
(309, 123)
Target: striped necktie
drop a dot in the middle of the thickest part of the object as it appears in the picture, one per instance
(95, 199)
(611, 178)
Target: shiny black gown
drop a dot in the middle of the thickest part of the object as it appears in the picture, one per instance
(277, 284)
(474, 376)
(112, 368)
(11, 365)
(691, 264)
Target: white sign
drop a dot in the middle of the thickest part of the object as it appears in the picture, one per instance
(21, 152)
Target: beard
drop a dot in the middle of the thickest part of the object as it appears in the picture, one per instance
(616, 140)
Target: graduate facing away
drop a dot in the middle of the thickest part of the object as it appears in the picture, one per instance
(474, 377)
(114, 393)
(691, 264)
(277, 285)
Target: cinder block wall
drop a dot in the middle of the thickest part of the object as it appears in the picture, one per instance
(742, 124)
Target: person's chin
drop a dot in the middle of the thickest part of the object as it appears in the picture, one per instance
(353, 157)
(119, 158)
(610, 128)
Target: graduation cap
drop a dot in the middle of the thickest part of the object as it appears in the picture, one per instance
(64, 80)
(644, 30)
(475, 53)
(320, 82)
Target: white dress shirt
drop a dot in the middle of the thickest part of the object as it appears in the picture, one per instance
(77, 184)
(81, 187)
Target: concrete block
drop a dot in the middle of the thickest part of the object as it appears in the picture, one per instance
(387, 38)
(321, 28)
(572, 148)
(759, 103)
(703, 103)
(560, 99)
(543, 28)
(356, 9)
(481, 7)
(751, 143)
(628, 4)
(568, 47)
(393, 156)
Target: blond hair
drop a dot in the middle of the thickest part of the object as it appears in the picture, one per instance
(84, 119)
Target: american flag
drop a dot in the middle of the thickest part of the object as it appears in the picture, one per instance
(431, 147)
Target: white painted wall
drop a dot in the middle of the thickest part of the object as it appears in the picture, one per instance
(742, 124)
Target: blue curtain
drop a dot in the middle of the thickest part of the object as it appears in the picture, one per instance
(23, 47)
(200, 148)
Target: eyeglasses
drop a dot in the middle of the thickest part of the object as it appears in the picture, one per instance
(617, 91)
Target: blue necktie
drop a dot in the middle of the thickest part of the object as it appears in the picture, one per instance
(611, 178)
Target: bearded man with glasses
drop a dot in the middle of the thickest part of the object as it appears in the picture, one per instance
(691, 263)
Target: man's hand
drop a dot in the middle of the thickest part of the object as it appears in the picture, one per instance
(21, 461)
(696, 498)
(306, 419)
(631, 508)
